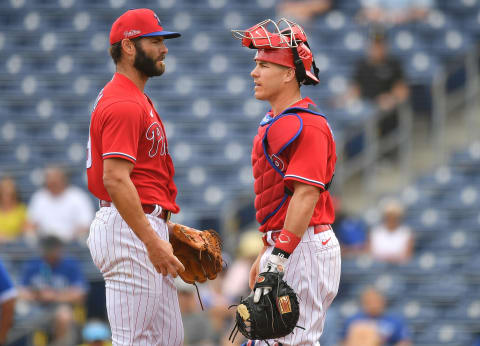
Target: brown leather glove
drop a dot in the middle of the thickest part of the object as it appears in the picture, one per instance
(199, 251)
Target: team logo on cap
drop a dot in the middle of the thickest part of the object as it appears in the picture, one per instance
(158, 19)
(131, 33)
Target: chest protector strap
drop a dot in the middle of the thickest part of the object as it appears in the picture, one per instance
(280, 133)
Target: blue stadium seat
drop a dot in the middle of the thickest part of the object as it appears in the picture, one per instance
(443, 289)
(416, 312)
(466, 313)
(444, 334)
(424, 266)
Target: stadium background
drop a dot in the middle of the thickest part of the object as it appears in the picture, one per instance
(54, 61)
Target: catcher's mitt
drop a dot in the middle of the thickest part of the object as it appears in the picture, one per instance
(199, 251)
(274, 316)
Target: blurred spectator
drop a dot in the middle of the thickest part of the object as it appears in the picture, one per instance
(60, 209)
(96, 333)
(393, 12)
(51, 285)
(216, 305)
(235, 284)
(13, 213)
(303, 10)
(373, 326)
(8, 294)
(350, 231)
(379, 78)
(197, 326)
(392, 241)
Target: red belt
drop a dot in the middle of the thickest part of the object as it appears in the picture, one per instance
(147, 208)
(316, 230)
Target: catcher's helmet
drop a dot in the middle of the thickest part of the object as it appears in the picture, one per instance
(286, 47)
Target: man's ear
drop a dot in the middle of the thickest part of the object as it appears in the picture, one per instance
(128, 47)
(290, 75)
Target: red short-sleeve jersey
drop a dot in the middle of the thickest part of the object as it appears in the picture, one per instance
(125, 124)
(312, 158)
(309, 159)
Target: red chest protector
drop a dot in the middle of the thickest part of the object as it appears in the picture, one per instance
(269, 167)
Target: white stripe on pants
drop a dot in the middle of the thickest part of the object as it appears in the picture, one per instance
(142, 305)
(313, 271)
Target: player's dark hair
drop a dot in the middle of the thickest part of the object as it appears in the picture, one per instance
(116, 51)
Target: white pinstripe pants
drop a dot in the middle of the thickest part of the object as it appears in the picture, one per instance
(313, 271)
(142, 305)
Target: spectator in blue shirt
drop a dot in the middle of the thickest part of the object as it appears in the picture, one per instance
(8, 293)
(350, 231)
(373, 326)
(54, 283)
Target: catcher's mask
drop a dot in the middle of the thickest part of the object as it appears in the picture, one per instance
(287, 47)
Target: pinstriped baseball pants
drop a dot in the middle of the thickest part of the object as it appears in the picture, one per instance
(142, 305)
(313, 271)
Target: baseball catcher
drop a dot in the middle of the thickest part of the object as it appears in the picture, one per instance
(293, 163)
(199, 251)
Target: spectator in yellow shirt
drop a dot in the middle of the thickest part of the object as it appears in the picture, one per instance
(13, 213)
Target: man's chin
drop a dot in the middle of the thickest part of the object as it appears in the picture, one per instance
(259, 96)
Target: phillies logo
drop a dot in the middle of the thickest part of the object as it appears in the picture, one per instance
(157, 137)
(278, 162)
(131, 33)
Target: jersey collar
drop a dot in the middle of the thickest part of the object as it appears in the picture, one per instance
(303, 103)
(126, 82)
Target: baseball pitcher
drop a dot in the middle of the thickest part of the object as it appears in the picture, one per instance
(131, 172)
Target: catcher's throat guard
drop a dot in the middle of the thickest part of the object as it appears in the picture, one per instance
(284, 44)
(274, 316)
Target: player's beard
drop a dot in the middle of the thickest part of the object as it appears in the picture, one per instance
(146, 64)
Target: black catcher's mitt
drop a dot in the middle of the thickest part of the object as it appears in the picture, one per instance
(274, 316)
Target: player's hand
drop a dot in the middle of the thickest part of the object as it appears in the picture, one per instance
(160, 253)
(274, 264)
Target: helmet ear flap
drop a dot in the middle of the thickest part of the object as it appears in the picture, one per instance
(300, 72)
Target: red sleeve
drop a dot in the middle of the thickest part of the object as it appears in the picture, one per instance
(308, 158)
(121, 128)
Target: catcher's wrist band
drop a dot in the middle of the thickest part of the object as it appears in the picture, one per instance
(287, 241)
(279, 253)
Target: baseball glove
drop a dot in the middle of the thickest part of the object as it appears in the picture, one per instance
(199, 251)
(274, 316)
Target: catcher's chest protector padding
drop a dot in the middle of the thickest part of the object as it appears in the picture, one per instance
(268, 185)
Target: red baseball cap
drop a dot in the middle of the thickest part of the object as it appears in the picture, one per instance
(139, 22)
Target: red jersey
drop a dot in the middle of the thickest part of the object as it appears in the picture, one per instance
(309, 158)
(125, 124)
